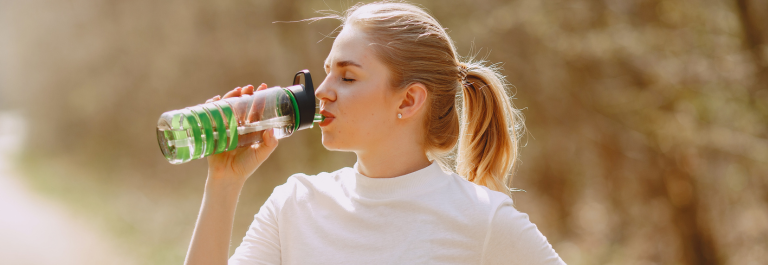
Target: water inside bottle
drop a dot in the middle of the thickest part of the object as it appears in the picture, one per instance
(223, 125)
(185, 143)
(220, 126)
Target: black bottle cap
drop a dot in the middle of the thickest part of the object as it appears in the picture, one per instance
(305, 98)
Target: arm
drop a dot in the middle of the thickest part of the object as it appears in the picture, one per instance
(210, 240)
(227, 173)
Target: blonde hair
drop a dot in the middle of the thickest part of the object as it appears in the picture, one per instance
(416, 49)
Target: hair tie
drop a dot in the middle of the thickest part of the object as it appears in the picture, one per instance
(463, 71)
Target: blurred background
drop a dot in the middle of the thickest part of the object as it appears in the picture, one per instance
(647, 120)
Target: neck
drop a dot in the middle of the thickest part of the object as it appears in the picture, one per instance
(393, 162)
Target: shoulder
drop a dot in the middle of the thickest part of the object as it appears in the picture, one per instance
(480, 194)
(300, 185)
(323, 180)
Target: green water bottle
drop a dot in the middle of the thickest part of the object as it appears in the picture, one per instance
(220, 126)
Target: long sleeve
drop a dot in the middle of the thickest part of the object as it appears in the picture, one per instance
(513, 239)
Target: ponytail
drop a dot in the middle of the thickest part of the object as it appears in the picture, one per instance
(488, 139)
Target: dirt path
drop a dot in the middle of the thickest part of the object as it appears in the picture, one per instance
(36, 230)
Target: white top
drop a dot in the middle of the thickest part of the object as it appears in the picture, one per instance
(424, 217)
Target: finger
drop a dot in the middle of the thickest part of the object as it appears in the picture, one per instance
(233, 93)
(261, 151)
(269, 139)
(253, 113)
(262, 87)
(215, 98)
(268, 144)
(248, 90)
(259, 108)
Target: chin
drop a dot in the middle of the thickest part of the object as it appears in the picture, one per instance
(329, 143)
(332, 143)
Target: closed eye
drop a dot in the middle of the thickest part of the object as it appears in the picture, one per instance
(347, 79)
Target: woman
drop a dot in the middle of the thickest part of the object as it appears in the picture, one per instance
(390, 96)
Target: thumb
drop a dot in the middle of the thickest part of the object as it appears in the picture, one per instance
(267, 146)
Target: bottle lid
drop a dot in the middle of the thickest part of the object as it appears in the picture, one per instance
(305, 98)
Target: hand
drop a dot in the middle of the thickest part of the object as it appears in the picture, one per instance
(241, 162)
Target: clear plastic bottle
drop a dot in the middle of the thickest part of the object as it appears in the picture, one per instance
(211, 128)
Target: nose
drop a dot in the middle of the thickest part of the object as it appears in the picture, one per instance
(325, 92)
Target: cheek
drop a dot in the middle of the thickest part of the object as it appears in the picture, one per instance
(367, 117)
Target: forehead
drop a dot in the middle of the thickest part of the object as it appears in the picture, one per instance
(350, 45)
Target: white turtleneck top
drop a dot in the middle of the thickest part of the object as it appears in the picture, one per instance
(424, 217)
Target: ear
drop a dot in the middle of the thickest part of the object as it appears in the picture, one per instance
(413, 99)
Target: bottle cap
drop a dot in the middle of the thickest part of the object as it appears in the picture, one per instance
(305, 98)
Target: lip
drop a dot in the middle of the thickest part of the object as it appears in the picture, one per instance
(328, 118)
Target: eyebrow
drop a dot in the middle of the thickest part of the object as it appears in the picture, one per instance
(345, 64)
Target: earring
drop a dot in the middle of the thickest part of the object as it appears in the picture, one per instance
(399, 115)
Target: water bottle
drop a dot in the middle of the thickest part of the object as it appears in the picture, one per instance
(220, 126)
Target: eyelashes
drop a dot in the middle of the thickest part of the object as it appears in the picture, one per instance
(343, 79)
